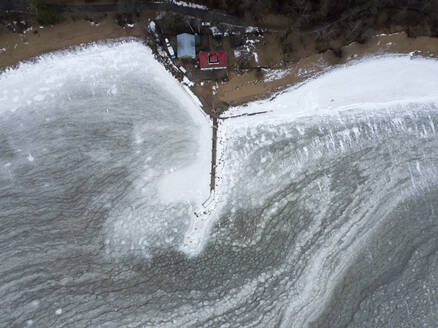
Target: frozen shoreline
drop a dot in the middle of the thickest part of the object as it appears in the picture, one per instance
(310, 198)
(373, 82)
(370, 81)
(109, 61)
(373, 85)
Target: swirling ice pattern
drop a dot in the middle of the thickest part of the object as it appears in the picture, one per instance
(327, 222)
(336, 220)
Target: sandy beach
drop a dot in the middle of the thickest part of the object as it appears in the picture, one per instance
(71, 32)
(275, 73)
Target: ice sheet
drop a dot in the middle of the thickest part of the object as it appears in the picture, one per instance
(113, 76)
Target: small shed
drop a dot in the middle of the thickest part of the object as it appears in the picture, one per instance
(186, 45)
(213, 60)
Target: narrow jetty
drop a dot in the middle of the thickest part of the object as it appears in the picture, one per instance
(213, 154)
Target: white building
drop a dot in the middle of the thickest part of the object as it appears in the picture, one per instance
(186, 45)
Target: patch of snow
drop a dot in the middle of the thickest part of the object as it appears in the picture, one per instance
(182, 69)
(130, 25)
(248, 49)
(189, 4)
(415, 52)
(252, 42)
(304, 71)
(187, 81)
(252, 29)
(390, 34)
(214, 89)
(215, 31)
(161, 52)
(275, 74)
(152, 26)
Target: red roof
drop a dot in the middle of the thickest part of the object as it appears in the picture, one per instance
(213, 60)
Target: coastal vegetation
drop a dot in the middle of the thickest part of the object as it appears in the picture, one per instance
(43, 14)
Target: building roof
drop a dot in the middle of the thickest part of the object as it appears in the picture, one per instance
(186, 45)
(213, 60)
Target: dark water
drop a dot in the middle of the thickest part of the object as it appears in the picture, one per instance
(327, 222)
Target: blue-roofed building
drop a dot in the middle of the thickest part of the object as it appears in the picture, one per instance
(186, 45)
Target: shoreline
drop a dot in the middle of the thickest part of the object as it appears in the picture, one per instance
(308, 67)
(38, 40)
(242, 87)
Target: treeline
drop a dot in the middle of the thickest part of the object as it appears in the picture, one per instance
(348, 18)
(351, 18)
(315, 10)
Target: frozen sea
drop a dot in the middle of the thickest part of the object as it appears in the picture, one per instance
(325, 212)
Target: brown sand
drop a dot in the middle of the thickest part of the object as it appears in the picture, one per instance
(70, 32)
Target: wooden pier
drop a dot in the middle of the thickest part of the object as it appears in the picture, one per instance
(213, 154)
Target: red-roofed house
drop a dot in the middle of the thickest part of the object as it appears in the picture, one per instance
(213, 60)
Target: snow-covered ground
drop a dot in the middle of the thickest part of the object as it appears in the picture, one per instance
(248, 49)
